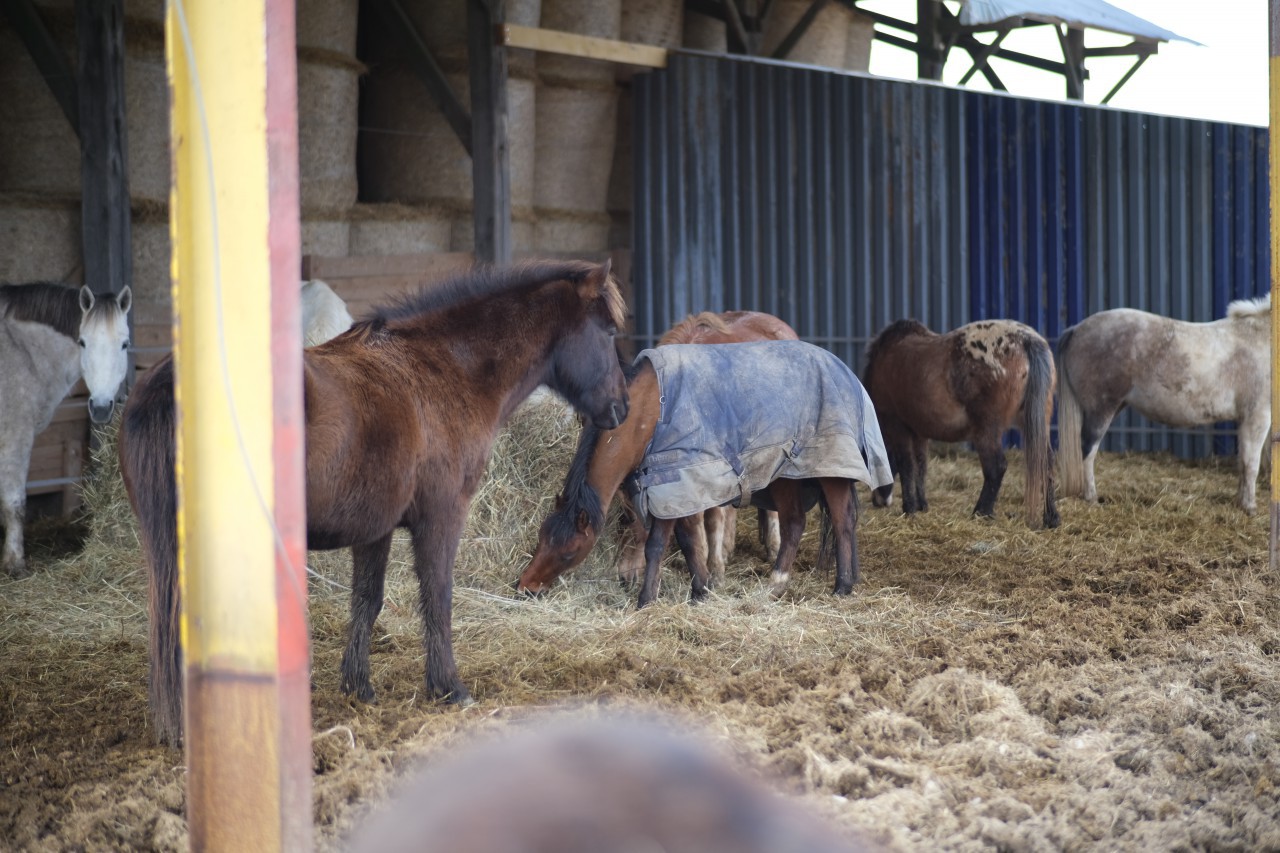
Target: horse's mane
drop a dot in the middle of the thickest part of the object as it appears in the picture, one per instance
(1250, 307)
(893, 333)
(578, 495)
(44, 302)
(687, 329)
(486, 281)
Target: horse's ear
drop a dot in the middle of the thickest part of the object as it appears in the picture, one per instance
(124, 299)
(583, 521)
(595, 279)
(559, 505)
(86, 299)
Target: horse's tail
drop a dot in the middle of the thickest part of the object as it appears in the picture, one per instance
(1070, 423)
(1037, 407)
(146, 461)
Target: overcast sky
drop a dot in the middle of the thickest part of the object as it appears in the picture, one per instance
(1224, 80)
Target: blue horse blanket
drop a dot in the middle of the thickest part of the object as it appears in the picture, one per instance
(736, 417)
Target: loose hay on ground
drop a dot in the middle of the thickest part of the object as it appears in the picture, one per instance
(1109, 684)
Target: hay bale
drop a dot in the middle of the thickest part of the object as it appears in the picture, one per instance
(39, 151)
(42, 238)
(600, 18)
(659, 22)
(326, 233)
(328, 25)
(862, 33)
(704, 32)
(824, 43)
(328, 94)
(395, 229)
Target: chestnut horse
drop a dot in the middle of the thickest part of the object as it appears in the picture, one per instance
(716, 534)
(970, 384)
(1174, 372)
(605, 458)
(401, 414)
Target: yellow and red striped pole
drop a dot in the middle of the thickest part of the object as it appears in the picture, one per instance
(241, 526)
(1273, 148)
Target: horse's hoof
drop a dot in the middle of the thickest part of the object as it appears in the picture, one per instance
(18, 571)
(844, 590)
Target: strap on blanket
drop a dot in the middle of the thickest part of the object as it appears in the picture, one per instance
(744, 484)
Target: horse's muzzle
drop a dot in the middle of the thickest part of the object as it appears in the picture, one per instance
(100, 413)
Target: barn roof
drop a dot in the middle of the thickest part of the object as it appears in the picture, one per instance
(1094, 14)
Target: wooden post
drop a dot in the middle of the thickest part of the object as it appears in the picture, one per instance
(237, 355)
(104, 161)
(930, 51)
(1273, 147)
(1073, 59)
(490, 162)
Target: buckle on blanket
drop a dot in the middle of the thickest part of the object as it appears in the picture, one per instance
(739, 471)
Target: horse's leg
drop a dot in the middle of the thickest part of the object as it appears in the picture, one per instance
(691, 536)
(729, 526)
(13, 507)
(920, 467)
(368, 574)
(435, 548)
(715, 529)
(771, 535)
(787, 498)
(631, 562)
(841, 499)
(1094, 427)
(908, 471)
(991, 454)
(654, 547)
(1254, 427)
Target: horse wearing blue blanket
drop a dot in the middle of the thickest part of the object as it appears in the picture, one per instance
(779, 424)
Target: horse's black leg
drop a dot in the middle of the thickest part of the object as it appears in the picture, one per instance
(841, 498)
(368, 573)
(691, 536)
(991, 454)
(920, 454)
(435, 548)
(787, 498)
(911, 487)
(654, 547)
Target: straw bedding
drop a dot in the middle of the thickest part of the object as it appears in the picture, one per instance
(1108, 685)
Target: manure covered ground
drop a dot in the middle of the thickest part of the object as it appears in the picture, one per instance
(1113, 684)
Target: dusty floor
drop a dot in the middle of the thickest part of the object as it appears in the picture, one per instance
(1112, 685)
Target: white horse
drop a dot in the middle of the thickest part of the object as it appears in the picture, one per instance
(324, 314)
(51, 336)
(1178, 373)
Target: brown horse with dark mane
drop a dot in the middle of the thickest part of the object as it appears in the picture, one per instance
(401, 414)
(714, 531)
(605, 458)
(970, 384)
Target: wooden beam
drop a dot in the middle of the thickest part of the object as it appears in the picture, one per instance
(784, 48)
(930, 48)
(585, 47)
(426, 68)
(1125, 79)
(490, 159)
(46, 54)
(736, 31)
(104, 151)
(981, 58)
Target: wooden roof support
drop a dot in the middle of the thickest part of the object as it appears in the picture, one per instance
(425, 67)
(1072, 43)
(104, 151)
(784, 48)
(1125, 79)
(981, 57)
(490, 160)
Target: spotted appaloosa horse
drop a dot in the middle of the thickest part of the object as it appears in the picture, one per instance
(1175, 372)
(51, 336)
(970, 384)
(401, 415)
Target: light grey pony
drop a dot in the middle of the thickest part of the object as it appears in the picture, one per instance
(50, 337)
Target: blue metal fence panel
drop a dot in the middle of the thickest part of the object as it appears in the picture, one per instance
(842, 202)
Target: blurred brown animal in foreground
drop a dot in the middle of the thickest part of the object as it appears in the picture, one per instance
(583, 786)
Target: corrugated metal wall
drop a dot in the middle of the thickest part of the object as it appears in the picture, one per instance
(841, 203)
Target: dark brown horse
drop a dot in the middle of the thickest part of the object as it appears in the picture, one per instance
(402, 411)
(605, 458)
(715, 535)
(971, 385)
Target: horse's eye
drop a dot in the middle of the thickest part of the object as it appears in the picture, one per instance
(612, 330)
(124, 345)
(81, 342)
